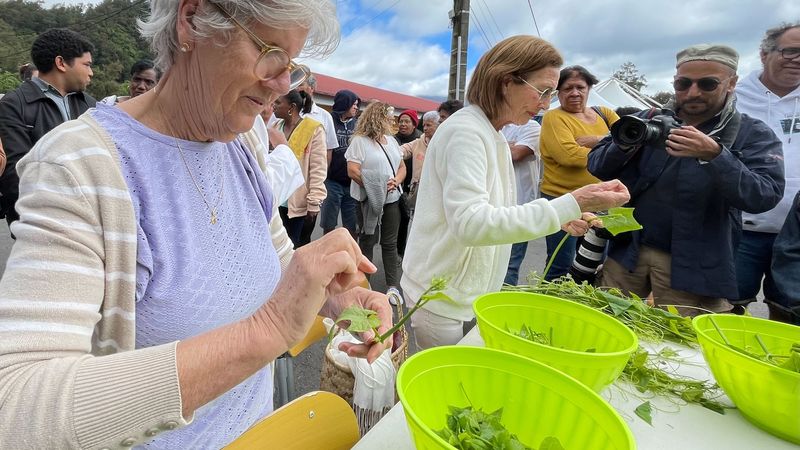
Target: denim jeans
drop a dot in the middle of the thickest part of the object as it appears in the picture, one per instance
(753, 258)
(338, 199)
(517, 255)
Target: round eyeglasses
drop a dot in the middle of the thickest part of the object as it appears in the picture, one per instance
(273, 61)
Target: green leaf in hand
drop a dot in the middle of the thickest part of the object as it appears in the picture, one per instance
(360, 320)
(620, 220)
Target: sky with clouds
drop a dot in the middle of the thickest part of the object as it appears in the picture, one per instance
(404, 45)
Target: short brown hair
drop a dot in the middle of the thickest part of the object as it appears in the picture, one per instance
(517, 56)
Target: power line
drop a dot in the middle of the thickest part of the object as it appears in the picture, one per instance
(491, 16)
(373, 18)
(534, 19)
(480, 28)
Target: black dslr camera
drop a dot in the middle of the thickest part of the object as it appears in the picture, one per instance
(631, 131)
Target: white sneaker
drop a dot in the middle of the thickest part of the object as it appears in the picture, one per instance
(395, 297)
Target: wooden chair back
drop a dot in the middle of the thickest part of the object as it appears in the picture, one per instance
(317, 420)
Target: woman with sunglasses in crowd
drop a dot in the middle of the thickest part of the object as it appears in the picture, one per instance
(151, 284)
(568, 134)
(467, 216)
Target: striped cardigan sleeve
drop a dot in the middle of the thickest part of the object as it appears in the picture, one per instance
(66, 298)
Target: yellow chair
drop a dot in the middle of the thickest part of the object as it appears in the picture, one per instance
(284, 366)
(317, 420)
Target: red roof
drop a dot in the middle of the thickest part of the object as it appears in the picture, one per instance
(327, 85)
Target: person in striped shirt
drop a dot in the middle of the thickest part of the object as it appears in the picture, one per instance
(152, 284)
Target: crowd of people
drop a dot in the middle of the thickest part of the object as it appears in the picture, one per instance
(168, 232)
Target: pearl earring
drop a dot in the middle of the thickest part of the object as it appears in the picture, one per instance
(185, 47)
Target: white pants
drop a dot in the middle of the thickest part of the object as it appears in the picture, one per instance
(433, 330)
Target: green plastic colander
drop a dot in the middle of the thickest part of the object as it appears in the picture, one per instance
(766, 395)
(537, 401)
(587, 344)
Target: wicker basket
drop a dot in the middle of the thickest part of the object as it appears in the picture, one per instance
(338, 378)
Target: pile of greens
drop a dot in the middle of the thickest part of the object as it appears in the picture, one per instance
(472, 429)
(645, 371)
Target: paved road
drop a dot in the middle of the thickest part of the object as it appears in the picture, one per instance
(308, 364)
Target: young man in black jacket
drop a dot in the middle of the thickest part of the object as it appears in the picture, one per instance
(64, 60)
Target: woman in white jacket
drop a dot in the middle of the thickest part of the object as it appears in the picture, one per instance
(466, 214)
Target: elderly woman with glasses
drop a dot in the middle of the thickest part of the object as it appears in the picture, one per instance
(468, 218)
(568, 134)
(152, 284)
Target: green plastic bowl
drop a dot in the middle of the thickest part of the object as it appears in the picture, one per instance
(576, 329)
(537, 401)
(768, 396)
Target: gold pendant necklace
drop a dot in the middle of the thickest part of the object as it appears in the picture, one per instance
(211, 208)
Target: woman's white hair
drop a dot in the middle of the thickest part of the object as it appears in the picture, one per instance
(318, 16)
(431, 115)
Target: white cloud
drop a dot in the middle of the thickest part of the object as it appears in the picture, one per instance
(390, 47)
(598, 35)
(391, 62)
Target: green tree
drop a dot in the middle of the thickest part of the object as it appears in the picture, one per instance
(663, 97)
(629, 74)
(8, 81)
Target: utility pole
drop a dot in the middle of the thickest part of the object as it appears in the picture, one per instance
(459, 17)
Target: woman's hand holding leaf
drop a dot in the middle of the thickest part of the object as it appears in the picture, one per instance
(318, 271)
(366, 311)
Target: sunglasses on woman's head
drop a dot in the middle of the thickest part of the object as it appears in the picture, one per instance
(707, 84)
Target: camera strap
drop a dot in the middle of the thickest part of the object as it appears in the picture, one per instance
(602, 115)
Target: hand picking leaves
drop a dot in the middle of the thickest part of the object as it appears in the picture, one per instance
(356, 319)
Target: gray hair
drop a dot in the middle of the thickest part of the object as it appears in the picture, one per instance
(430, 115)
(312, 81)
(319, 16)
(770, 41)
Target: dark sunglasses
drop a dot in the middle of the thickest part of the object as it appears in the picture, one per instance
(705, 84)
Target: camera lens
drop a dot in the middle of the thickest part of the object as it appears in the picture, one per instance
(629, 131)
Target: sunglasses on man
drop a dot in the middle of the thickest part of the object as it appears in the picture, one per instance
(707, 84)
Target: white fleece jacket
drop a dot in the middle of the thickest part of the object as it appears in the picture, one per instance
(782, 114)
(466, 215)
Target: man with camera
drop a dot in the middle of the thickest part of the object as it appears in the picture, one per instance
(690, 174)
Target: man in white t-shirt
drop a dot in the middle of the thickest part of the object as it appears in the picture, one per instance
(524, 143)
(319, 114)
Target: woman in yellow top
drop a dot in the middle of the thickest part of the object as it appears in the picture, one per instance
(306, 138)
(568, 134)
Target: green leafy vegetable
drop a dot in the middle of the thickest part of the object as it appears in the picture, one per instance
(645, 412)
(619, 220)
(469, 429)
(526, 332)
(644, 371)
(359, 320)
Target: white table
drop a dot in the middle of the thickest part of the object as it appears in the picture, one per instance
(680, 428)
